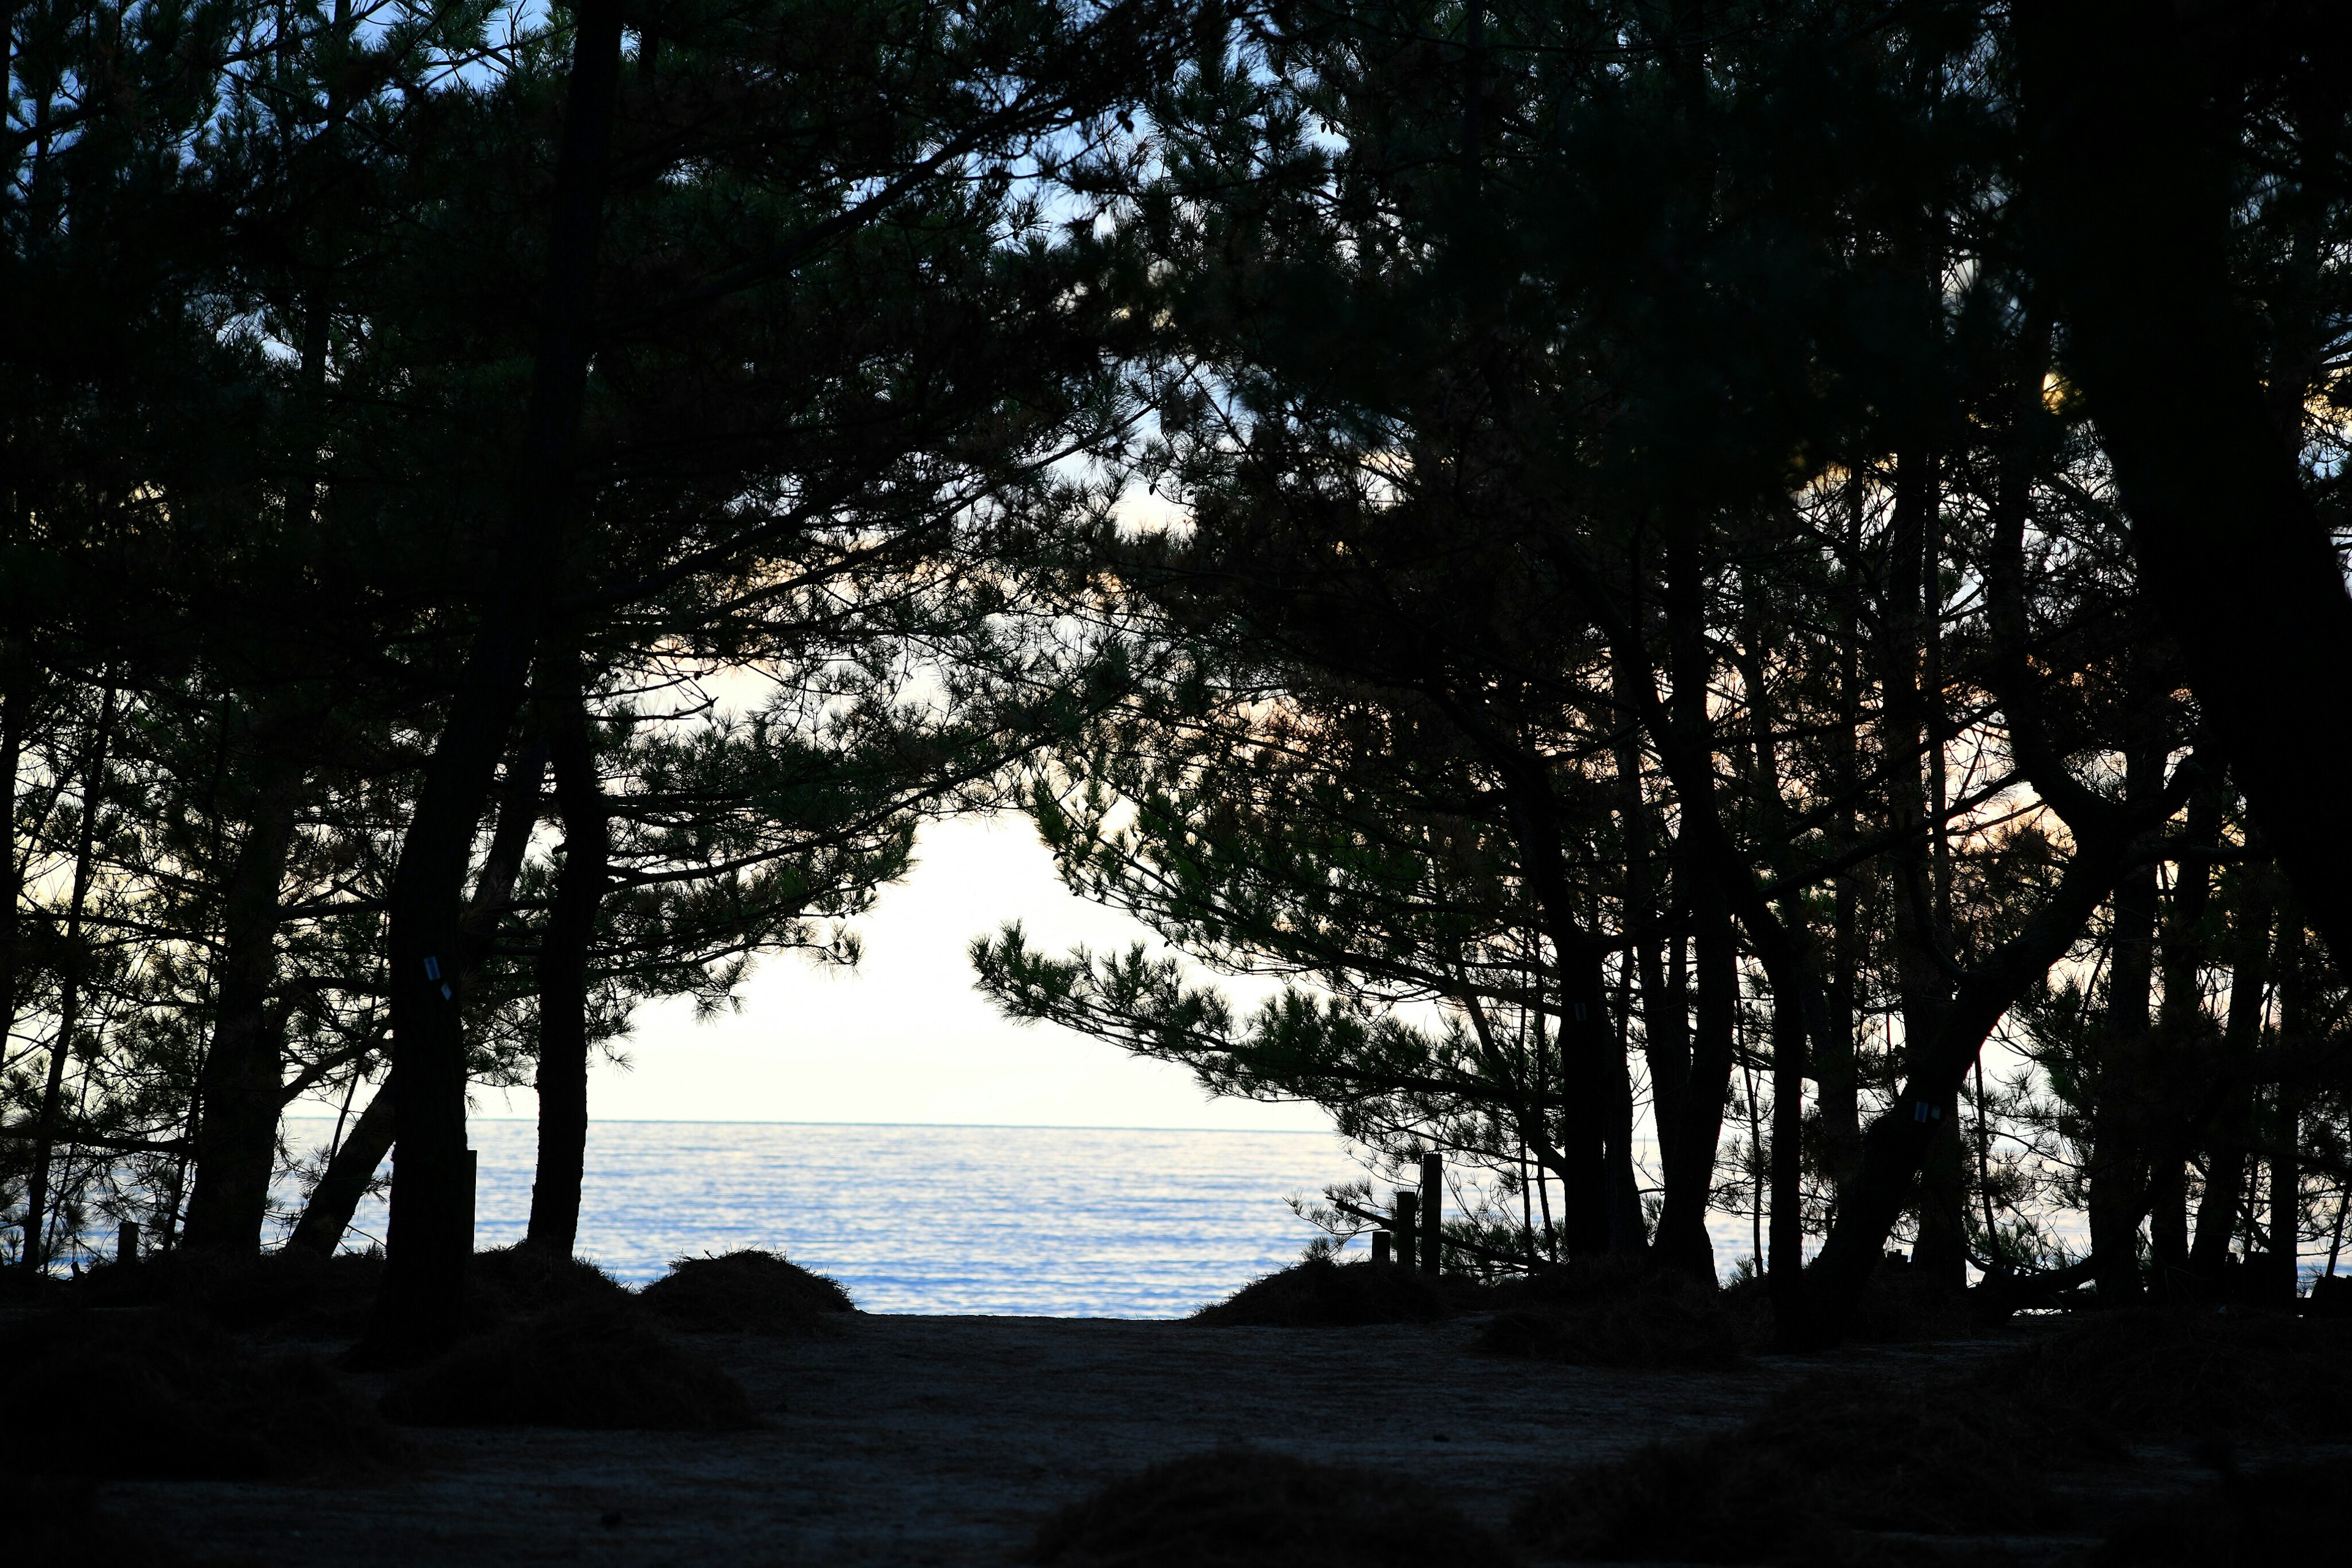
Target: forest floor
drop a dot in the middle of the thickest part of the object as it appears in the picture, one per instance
(910, 1440)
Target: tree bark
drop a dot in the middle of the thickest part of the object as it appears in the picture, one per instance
(563, 975)
(422, 1307)
(236, 1143)
(2129, 204)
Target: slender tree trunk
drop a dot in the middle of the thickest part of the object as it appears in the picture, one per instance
(1835, 1053)
(236, 1143)
(328, 1214)
(1906, 739)
(1665, 1043)
(2121, 1116)
(16, 716)
(1683, 1242)
(2232, 1136)
(2283, 1137)
(2118, 1170)
(2129, 206)
(332, 1202)
(422, 1304)
(1896, 1142)
(46, 1129)
(563, 976)
(2180, 1032)
(1787, 1257)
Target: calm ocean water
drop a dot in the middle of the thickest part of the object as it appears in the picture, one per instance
(1051, 1221)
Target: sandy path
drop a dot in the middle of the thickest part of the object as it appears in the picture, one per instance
(942, 1440)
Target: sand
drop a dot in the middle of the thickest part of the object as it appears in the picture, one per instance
(943, 1440)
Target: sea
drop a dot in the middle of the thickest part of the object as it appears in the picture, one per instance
(1042, 1221)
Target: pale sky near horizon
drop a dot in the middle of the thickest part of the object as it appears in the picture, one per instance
(904, 1036)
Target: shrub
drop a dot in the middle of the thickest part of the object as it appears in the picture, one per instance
(2280, 1514)
(746, 1291)
(582, 1366)
(519, 1282)
(1834, 1456)
(1240, 1507)
(1614, 1315)
(141, 1393)
(1320, 1293)
(2163, 1371)
(294, 1294)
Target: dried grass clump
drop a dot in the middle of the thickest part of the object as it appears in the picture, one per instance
(150, 1394)
(583, 1365)
(1613, 1315)
(2171, 1370)
(1320, 1293)
(520, 1282)
(1240, 1508)
(1826, 1461)
(745, 1291)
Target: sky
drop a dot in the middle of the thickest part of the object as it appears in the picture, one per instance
(904, 1036)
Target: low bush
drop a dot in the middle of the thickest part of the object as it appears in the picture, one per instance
(2282, 1513)
(1320, 1293)
(1240, 1508)
(2164, 1371)
(587, 1364)
(519, 1282)
(1826, 1462)
(1607, 1314)
(745, 1291)
(168, 1397)
(295, 1295)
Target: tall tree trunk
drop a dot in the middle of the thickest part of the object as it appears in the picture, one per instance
(1683, 1242)
(236, 1141)
(2181, 1032)
(1836, 1052)
(2232, 1135)
(2127, 1086)
(15, 721)
(1665, 1044)
(2129, 211)
(2119, 1169)
(328, 1212)
(1896, 1142)
(2283, 1136)
(332, 1202)
(562, 1080)
(1941, 1251)
(45, 1128)
(1787, 1255)
(422, 1307)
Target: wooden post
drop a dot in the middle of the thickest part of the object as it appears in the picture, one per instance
(1407, 1200)
(1381, 1240)
(1433, 1212)
(126, 1242)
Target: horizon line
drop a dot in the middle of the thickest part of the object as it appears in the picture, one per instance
(998, 1126)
